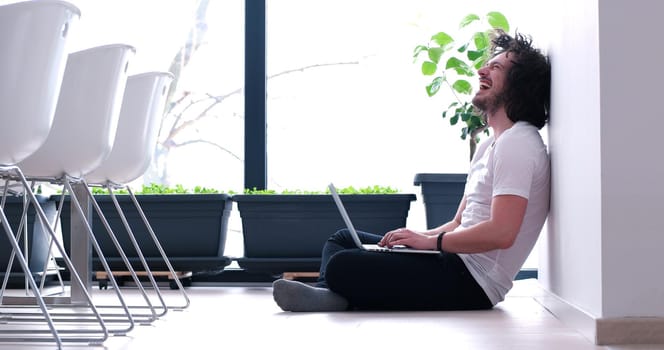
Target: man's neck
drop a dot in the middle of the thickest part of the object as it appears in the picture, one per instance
(499, 122)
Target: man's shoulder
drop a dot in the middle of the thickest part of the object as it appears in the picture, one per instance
(522, 133)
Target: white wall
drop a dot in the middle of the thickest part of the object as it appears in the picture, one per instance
(570, 255)
(603, 251)
(632, 162)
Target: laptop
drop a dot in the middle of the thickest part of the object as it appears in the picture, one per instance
(356, 238)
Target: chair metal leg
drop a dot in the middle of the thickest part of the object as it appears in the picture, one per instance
(159, 247)
(75, 334)
(22, 230)
(50, 259)
(19, 233)
(31, 280)
(153, 316)
(109, 318)
(95, 245)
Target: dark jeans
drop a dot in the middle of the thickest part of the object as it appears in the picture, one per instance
(397, 281)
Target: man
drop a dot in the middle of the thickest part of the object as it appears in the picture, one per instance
(505, 204)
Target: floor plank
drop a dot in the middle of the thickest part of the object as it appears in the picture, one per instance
(246, 317)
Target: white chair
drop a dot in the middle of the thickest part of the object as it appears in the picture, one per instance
(142, 109)
(33, 35)
(136, 138)
(34, 38)
(86, 117)
(82, 136)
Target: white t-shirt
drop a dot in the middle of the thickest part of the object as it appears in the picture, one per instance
(515, 164)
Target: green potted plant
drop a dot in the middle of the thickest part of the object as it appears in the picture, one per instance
(285, 232)
(453, 64)
(191, 226)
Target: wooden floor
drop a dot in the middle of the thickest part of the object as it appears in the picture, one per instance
(245, 317)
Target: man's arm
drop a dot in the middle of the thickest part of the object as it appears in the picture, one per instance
(498, 232)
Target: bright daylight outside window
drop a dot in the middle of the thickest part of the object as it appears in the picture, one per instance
(201, 43)
(346, 103)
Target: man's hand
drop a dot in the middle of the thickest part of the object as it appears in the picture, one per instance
(409, 238)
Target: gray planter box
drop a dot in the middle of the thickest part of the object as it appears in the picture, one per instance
(286, 233)
(191, 228)
(37, 236)
(441, 194)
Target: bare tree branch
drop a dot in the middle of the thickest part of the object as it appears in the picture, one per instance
(184, 125)
(319, 65)
(214, 144)
(181, 121)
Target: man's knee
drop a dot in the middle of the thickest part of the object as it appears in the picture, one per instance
(342, 235)
(342, 265)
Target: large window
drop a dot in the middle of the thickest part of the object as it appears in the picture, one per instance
(201, 140)
(345, 102)
(202, 43)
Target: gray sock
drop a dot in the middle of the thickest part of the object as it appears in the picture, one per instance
(300, 297)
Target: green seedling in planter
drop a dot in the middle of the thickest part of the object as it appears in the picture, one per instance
(366, 190)
(346, 190)
(455, 63)
(159, 189)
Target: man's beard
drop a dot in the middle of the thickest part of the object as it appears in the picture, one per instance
(489, 104)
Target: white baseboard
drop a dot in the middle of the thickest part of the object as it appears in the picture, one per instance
(573, 317)
(605, 331)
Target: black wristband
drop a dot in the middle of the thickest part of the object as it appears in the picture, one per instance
(439, 241)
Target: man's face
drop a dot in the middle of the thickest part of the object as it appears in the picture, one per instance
(493, 78)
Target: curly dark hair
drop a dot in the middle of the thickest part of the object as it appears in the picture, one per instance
(528, 88)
